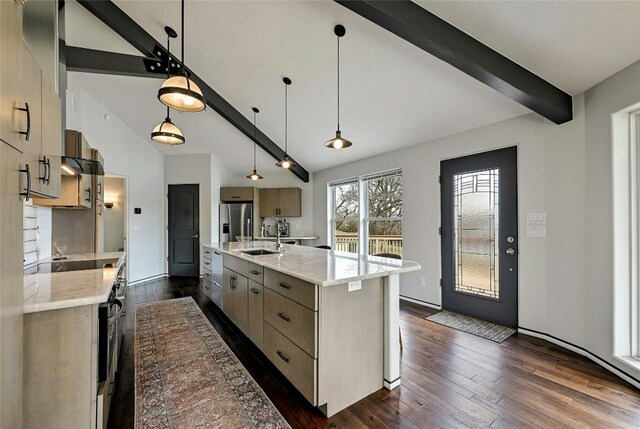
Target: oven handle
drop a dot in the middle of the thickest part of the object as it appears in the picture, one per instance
(119, 313)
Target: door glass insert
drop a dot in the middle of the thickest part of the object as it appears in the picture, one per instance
(476, 223)
(346, 217)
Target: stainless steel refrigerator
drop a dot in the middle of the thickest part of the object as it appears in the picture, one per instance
(236, 220)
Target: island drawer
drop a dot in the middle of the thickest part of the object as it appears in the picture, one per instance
(207, 286)
(206, 252)
(238, 265)
(255, 272)
(298, 290)
(294, 321)
(299, 368)
(206, 275)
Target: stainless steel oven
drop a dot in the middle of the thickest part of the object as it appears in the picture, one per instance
(110, 327)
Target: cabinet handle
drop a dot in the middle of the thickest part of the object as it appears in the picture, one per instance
(88, 191)
(284, 317)
(217, 253)
(27, 194)
(286, 286)
(48, 170)
(27, 133)
(254, 290)
(99, 188)
(43, 161)
(282, 356)
(206, 252)
(112, 388)
(206, 263)
(254, 272)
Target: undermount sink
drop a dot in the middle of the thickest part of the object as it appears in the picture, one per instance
(259, 252)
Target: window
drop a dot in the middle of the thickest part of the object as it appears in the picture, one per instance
(626, 235)
(365, 214)
(344, 216)
(384, 212)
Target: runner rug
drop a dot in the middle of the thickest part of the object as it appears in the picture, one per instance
(186, 376)
(471, 325)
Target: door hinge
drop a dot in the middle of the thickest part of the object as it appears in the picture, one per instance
(439, 179)
(440, 282)
(439, 230)
(167, 258)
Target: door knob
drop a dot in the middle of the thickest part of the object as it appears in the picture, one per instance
(510, 251)
(194, 236)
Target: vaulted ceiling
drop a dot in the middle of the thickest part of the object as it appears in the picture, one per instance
(393, 93)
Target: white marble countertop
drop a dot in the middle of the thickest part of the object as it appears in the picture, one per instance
(293, 237)
(50, 291)
(318, 266)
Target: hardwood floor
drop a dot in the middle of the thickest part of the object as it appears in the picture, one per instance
(449, 379)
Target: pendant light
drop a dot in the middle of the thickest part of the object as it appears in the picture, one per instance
(286, 161)
(166, 132)
(254, 175)
(179, 92)
(338, 142)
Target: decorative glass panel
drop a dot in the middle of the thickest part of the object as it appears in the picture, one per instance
(476, 233)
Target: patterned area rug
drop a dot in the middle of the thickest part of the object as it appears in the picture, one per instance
(471, 325)
(186, 376)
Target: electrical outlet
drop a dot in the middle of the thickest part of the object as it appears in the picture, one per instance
(355, 285)
(423, 282)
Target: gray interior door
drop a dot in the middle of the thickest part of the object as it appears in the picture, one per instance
(479, 215)
(184, 231)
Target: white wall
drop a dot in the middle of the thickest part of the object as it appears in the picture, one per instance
(129, 155)
(208, 172)
(565, 279)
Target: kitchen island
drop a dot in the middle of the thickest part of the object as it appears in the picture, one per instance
(70, 339)
(328, 320)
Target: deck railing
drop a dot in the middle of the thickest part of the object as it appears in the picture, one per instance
(377, 243)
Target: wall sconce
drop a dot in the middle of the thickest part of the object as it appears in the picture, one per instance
(110, 200)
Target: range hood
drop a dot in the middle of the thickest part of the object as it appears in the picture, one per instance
(78, 155)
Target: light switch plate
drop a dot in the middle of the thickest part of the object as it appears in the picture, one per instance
(536, 231)
(356, 285)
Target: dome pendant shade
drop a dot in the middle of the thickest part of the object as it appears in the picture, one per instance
(181, 93)
(286, 163)
(338, 142)
(254, 176)
(167, 133)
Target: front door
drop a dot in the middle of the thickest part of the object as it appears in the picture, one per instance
(479, 240)
(184, 230)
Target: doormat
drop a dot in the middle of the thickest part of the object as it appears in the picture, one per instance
(473, 326)
(187, 377)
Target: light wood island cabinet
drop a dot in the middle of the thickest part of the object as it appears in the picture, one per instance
(336, 344)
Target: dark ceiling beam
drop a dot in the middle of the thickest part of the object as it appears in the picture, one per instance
(129, 30)
(432, 34)
(94, 61)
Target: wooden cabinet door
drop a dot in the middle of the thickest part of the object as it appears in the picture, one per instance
(51, 138)
(240, 303)
(11, 292)
(12, 121)
(86, 191)
(227, 294)
(269, 202)
(255, 303)
(232, 194)
(31, 90)
(290, 202)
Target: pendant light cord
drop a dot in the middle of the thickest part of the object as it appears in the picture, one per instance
(254, 141)
(286, 116)
(182, 34)
(338, 83)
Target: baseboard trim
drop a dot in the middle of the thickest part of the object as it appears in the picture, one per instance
(420, 302)
(147, 279)
(583, 352)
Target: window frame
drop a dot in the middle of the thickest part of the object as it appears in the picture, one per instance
(363, 206)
